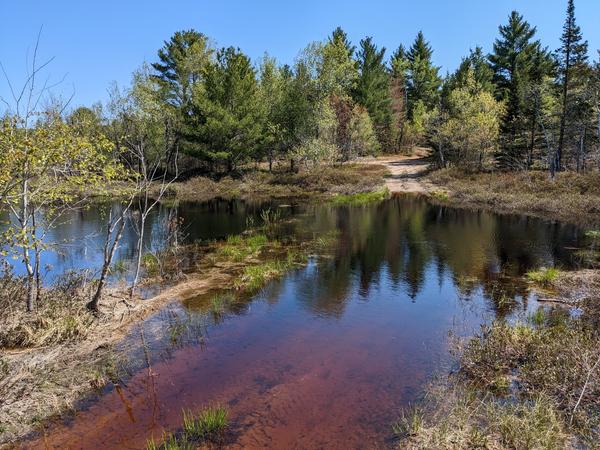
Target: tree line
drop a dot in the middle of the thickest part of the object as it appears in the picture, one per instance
(520, 107)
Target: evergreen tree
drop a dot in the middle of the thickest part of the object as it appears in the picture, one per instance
(338, 70)
(271, 95)
(183, 60)
(513, 62)
(542, 69)
(399, 66)
(231, 124)
(572, 57)
(476, 66)
(424, 81)
(372, 88)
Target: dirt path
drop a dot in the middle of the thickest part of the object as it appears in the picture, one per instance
(406, 173)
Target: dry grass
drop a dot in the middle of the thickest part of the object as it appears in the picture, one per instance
(571, 197)
(346, 179)
(61, 315)
(521, 386)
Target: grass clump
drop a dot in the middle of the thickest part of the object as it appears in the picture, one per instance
(208, 426)
(238, 248)
(461, 417)
(256, 276)
(60, 316)
(362, 198)
(544, 276)
(519, 387)
(441, 196)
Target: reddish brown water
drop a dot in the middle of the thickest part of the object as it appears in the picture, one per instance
(329, 356)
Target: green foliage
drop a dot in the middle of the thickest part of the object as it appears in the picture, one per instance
(467, 134)
(363, 139)
(151, 264)
(198, 429)
(207, 425)
(544, 276)
(519, 64)
(372, 87)
(228, 121)
(238, 248)
(362, 198)
(182, 62)
(474, 67)
(337, 73)
(423, 80)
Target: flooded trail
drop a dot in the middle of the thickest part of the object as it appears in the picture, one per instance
(287, 383)
(328, 356)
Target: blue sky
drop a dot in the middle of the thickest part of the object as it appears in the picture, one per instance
(96, 42)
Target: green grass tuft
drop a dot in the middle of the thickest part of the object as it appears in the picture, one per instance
(544, 276)
(208, 425)
(363, 198)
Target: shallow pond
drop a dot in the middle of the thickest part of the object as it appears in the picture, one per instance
(328, 356)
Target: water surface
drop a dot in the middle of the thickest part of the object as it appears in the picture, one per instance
(328, 356)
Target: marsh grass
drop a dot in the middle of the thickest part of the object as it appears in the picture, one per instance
(208, 426)
(361, 198)
(441, 196)
(572, 197)
(256, 276)
(270, 217)
(520, 386)
(327, 181)
(238, 248)
(544, 276)
(61, 315)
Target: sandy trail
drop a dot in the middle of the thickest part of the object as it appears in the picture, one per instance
(406, 173)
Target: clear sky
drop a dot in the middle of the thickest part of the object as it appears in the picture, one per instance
(96, 42)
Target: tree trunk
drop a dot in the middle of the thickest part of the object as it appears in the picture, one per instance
(531, 143)
(37, 263)
(563, 117)
(24, 220)
(140, 248)
(109, 253)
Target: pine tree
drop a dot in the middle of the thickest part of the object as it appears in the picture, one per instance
(424, 81)
(271, 95)
(231, 125)
(572, 56)
(372, 88)
(513, 62)
(542, 68)
(338, 70)
(476, 66)
(182, 61)
(399, 66)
